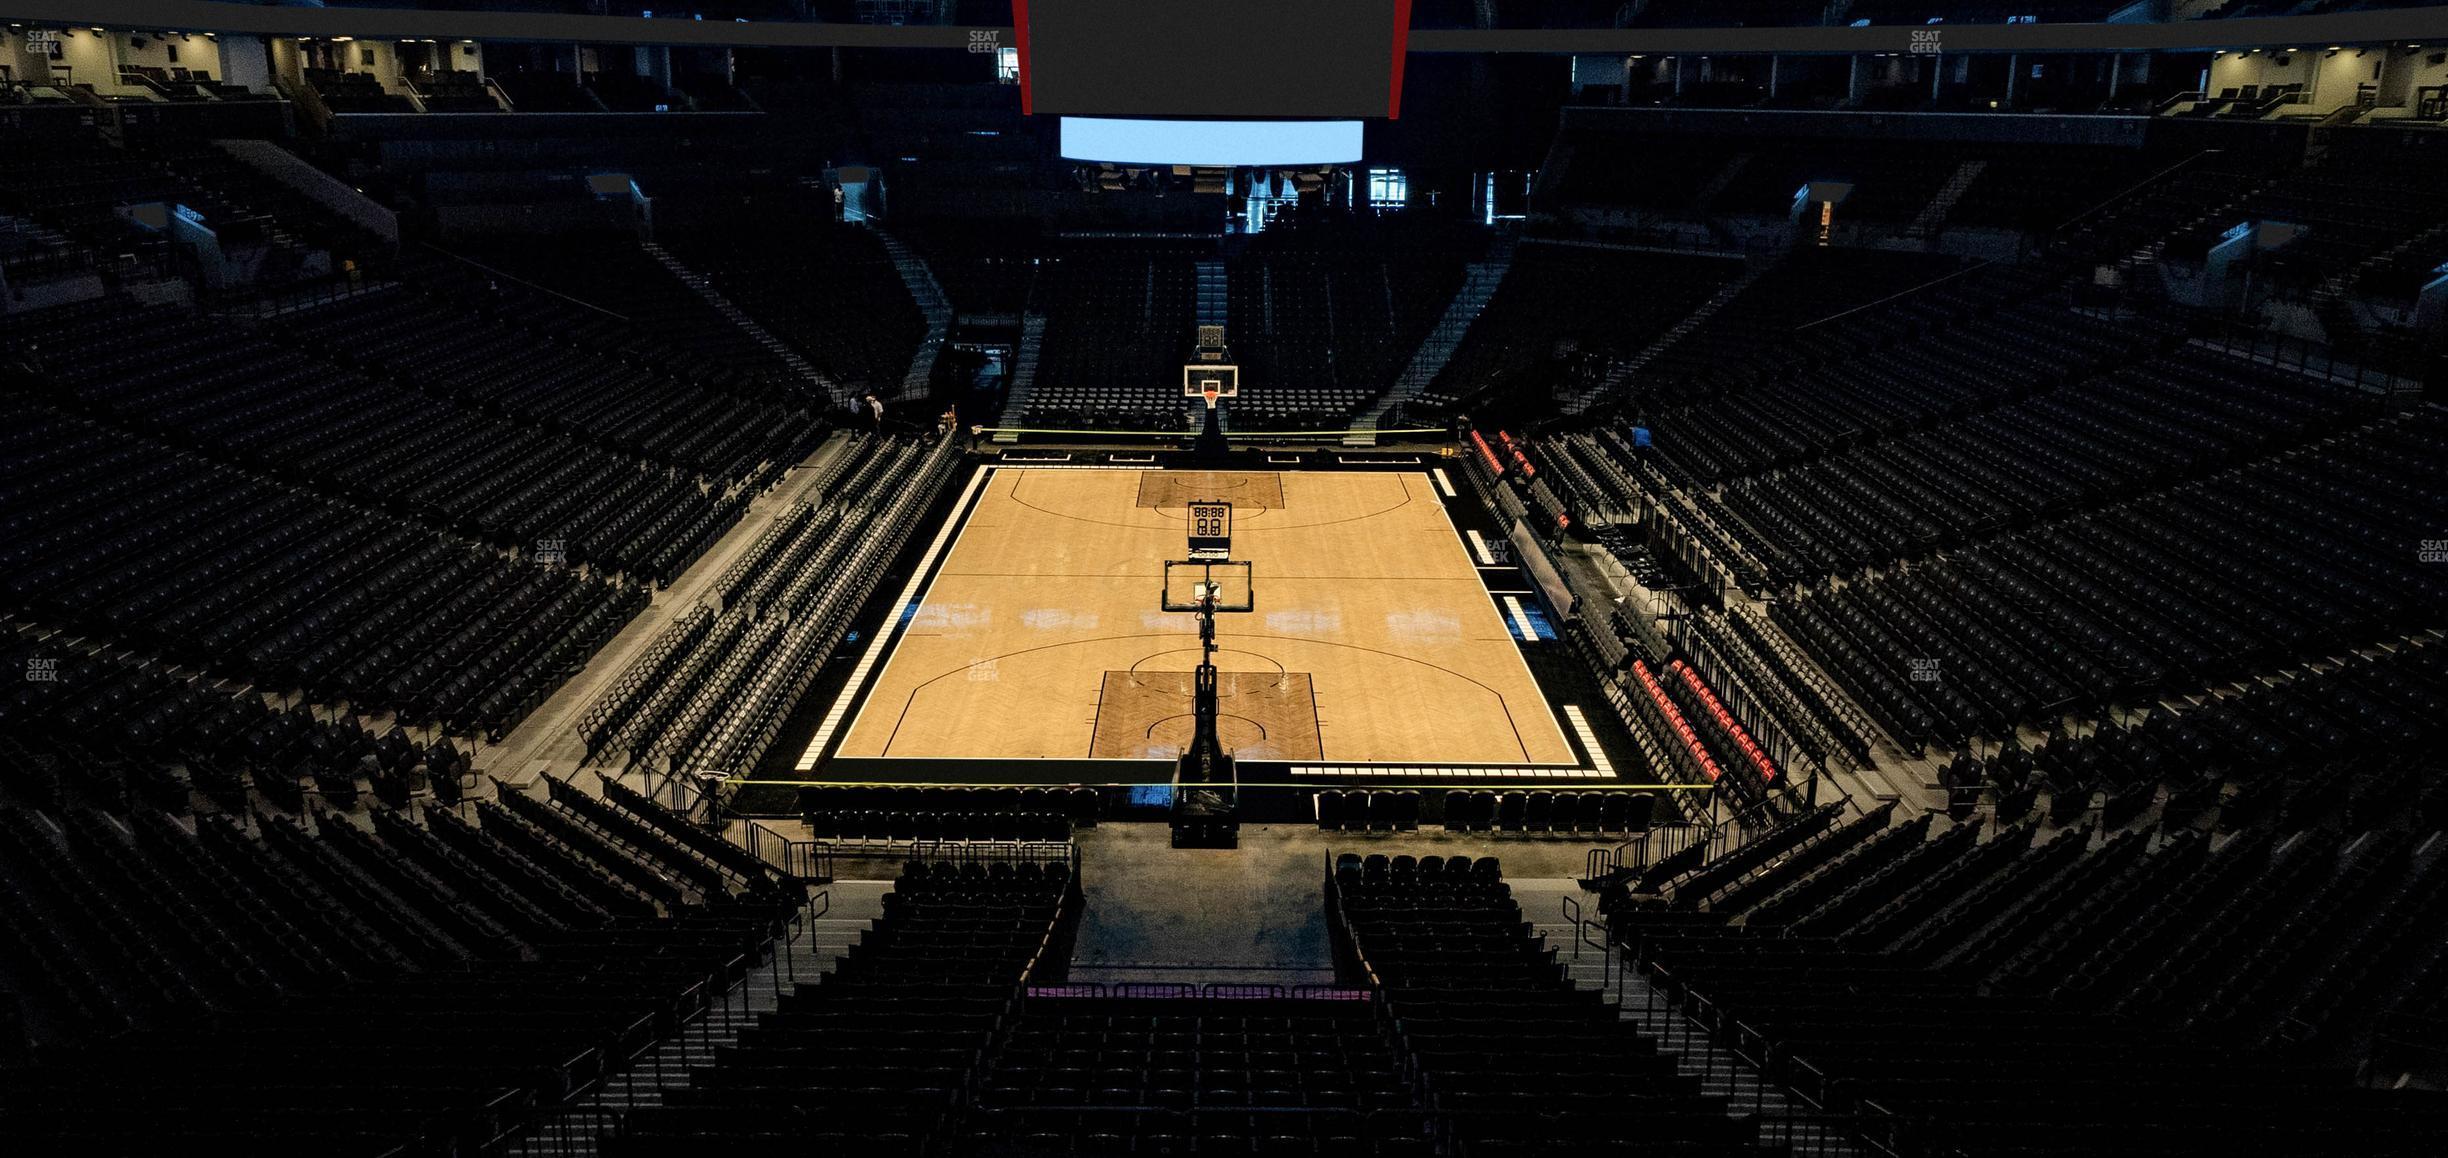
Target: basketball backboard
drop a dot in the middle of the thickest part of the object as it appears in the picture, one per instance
(1188, 582)
(1211, 380)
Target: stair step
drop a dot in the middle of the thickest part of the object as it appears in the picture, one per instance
(732, 313)
(575, 1130)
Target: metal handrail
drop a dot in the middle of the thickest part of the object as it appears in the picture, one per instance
(1343, 925)
(1902, 293)
(2140, 185)
(543, 289)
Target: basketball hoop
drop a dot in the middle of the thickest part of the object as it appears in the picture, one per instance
(1211, 381)
(1206, 783)
(1210, 374)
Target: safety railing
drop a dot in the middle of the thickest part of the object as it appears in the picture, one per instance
(265, 300)
(1058, 931)
(697, 797)
(1590, 932)
(1734, 686)
(806, 860)
(571, 1125)
(1652, 847)
(1212, 991)
(1602, 863)
(1345, 939)
(1710, 1045)
(2252, 342)
(1789, 1095)
(1762, 631)
(992, 852)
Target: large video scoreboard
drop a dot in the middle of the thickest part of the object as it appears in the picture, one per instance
(1201, 58)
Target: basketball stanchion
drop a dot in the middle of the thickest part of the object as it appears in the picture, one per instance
(1211, 375)
(1206, 792)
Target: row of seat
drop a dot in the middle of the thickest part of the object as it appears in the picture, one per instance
(859, 824)
(228, 572)
(424, 985)
(1509, 1053)
(714, 688)
(1194, 1054)
(1118, 325)
(2360, 200)
(1931, 362)
(1324, 322)
(2171, 417)
(1321, 315)
(1074, 806)
(2128, 989)
(1757, 671)
(76, 182)
(1540, 810)
(1564, 297)
(2236, 754)
(106, 730)
(1386, 811)
(520, 353)
(677, 326)
(827, 288)
(2215, 578)
(876, 1058)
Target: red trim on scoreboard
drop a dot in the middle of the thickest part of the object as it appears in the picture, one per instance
(1020, 43)
(1402, 48)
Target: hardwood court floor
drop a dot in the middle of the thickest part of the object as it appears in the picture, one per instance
(1373, 639)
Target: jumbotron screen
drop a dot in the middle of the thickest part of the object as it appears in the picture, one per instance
(1200, 58)
(1225, 144)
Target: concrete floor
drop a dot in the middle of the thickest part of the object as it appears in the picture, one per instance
(1251, 915)
(1255, 913)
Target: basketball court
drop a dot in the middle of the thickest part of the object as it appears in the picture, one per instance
(1373, 637)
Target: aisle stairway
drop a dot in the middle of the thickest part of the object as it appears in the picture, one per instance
(1211, 293)
(933, 304)
(1933, 215)
(1718, 1070)
(816, 379)
(1707, 195)
(847, 908)
(1619, 376)
(1023, 375)
(1479, 283)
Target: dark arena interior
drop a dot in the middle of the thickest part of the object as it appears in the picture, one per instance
(1384, 578)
